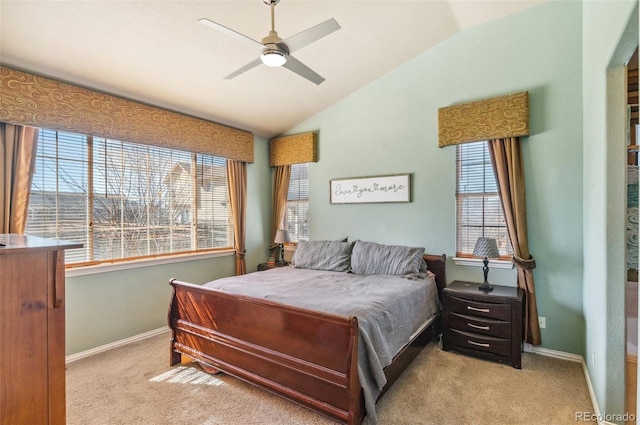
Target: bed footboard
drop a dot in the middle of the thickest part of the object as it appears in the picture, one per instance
(305, 356)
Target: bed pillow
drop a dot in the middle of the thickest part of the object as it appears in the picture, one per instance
(323, 255)
(372, 258)
(423, 269)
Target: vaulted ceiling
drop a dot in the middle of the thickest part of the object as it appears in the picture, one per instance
(155, 51)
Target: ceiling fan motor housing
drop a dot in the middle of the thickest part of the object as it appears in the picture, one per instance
(271, 2)
(272, 38)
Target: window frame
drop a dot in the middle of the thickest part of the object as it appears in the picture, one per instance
(89, 159)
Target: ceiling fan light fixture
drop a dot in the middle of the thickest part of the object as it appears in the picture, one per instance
(273, 57)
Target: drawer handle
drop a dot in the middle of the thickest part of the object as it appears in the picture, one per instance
(479, 344)
(481, 310)
(484, 328)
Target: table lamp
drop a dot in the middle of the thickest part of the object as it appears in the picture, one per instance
(486, 248)
(282, 236)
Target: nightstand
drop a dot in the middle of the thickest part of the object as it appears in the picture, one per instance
(269, 266)
(487, 325)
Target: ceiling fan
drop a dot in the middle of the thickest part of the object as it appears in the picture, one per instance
(276, 51)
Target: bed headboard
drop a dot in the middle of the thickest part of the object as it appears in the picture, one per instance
(436, 264)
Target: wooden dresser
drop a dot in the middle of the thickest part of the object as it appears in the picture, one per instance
(483, 324)
(32, 339)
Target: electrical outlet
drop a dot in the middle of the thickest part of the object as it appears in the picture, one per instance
(542, 322)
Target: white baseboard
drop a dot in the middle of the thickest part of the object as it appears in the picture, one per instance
(562, 355)
(574, 358)
(115, 344)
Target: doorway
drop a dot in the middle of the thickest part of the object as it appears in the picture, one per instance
(631, 288)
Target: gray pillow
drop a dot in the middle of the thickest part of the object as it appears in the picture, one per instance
(323, 255)
(371, 258)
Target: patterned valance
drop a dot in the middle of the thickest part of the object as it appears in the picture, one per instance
(36, 101)
(295, 149)
(499, 117)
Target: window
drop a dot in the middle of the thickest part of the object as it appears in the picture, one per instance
(478, 208)
(296, 218)
(124, 200)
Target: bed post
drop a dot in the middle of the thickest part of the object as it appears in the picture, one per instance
(437, 265)
(356, 396)
(174, 356)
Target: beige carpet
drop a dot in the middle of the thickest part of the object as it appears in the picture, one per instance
(135, 385)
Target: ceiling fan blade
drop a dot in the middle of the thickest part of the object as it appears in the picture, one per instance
(245, 68)
(302, 70)
(240, 37)
(310, 35)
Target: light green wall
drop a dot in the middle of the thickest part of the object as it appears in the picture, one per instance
(258, 206)
(610, 35)
(390, 126)
(105, 307)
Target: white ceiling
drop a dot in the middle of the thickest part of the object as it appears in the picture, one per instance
(156, 52)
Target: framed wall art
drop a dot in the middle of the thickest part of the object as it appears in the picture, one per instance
(361, 190)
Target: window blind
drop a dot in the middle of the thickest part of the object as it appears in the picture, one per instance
(296, 219)
(124, 200)
(58, 206)
(478, 208)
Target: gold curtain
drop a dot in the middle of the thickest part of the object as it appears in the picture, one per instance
(488, 119)
(280, 189)
(506, 156)
(237, 181)
(294, 149)
(27, 99)
(18, 145)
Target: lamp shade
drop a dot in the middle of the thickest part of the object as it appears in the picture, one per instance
(282, 236)
(486, 248)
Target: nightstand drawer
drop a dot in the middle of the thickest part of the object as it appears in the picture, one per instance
(499, 346)
(480, 309)
(491, 327)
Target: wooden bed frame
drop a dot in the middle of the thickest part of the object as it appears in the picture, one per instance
(306, 356)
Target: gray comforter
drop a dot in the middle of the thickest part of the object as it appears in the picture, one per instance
(389, 309)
